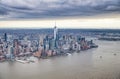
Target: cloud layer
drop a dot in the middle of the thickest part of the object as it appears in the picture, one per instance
(25, 9)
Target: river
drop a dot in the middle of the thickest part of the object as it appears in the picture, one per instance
(97, 63)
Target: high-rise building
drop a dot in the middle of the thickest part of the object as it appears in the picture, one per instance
(47, 46)
(41, 39)
(56, 36)
(15, 42)
(16, 46)
(11, 52)
(55, 32)
(5, 37)
(52, 44)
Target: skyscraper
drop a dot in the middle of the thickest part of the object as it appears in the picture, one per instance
(5, 37)
(55, 36)
(55, 32)
(16, 46)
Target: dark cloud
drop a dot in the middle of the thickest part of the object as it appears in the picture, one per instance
(25, 9)
(3, 10)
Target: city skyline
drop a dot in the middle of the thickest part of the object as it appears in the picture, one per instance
(59, 39)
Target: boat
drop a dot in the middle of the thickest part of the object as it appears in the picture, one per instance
(22, 61)
(94, 46)
(68, 54)
(31, 60)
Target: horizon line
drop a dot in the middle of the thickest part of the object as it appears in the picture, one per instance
(60, 28)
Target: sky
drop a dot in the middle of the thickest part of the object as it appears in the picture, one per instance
(66, 13)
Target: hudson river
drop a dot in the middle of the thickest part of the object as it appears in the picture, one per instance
(98, 63)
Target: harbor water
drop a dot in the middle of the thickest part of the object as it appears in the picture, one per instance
(97, 63)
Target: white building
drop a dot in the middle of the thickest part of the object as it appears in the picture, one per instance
(55, 32)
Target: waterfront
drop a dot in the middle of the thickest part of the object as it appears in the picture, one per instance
(98, 63)
(17, 47)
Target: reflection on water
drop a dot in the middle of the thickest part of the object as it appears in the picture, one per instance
(100, 63)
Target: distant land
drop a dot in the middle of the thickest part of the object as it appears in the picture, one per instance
(50, 30)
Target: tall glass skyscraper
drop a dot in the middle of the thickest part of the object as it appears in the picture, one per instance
(55, 35)
(5, 37)
(55, 32)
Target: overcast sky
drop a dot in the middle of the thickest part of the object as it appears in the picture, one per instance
(67, 13)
